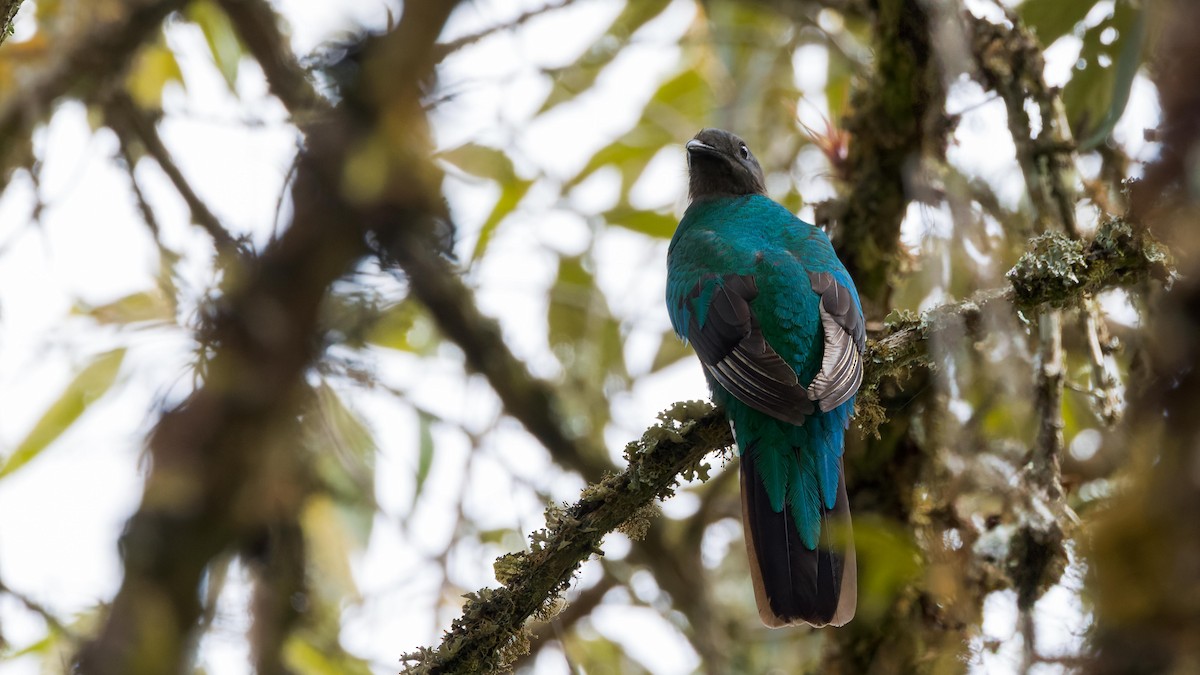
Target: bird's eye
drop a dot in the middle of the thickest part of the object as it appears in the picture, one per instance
(745, 151)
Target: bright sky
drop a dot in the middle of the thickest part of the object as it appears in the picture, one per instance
(60, 516)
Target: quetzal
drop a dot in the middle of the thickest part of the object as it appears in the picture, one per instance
(777, 324)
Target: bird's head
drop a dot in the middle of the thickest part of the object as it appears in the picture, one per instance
(720, 165)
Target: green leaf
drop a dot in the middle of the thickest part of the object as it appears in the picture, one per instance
(153, 67)
(586, 338)
(577, 78)
(222, 39)
(394, 327)
(654, 223)
(672, 113)
(344, 450)
(895, 562)
(331, 539)
(88, 386)
(153, 305)
(511, 195)
(493, 164)
(424, 453)
(1052, 19)
(1096, 96)
(305, 658)
(670, 351)
(482, 161)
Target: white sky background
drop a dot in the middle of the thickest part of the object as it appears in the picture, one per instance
(60, 515)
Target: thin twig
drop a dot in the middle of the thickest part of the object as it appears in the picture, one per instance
(129, 160)
(38, 608)
(123, 115)
(444, 49)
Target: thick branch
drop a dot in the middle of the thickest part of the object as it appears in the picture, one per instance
(895, 122)
(532, 401)
(83, 67)
(258, 26)
(225, 468)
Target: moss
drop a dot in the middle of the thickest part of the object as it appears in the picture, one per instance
(638, 524)
(869, 415)
(1059, 271)
(1050, 269)
(901, 319)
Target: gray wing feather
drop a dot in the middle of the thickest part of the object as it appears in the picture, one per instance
(844, 341)
(734, 352)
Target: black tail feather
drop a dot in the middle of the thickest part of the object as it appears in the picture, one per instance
(792, 583)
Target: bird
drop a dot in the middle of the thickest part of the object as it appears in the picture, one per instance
(777, 324)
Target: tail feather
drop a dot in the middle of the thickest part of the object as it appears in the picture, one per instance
(793, 583)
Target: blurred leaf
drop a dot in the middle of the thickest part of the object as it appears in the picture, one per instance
(424, 453)
(153, 67)
(493, 164)
(670, 350)
(578, 77)
(511, 194)
(837, 84)
(482, 161)
(305, 658)
(331, 540)
(88, 386)
(654, 223)
(674, 112)
(222, 39)
(1052, 19)
(152, 305)
(1096, 95)
(759, 97)
(587, 341)
(895, 562)
(582, 330)
(403, 326)
(43, 646)
(344, 450)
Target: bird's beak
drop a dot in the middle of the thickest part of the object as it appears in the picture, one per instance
(701, 147)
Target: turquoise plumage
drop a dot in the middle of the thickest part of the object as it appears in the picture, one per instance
(777, 324)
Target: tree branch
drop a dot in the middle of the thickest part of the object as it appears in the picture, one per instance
(123, 116)
(444, 49)
(258, 26)
(490, 632)
(894, 124)
(225, 469)
(83, 68)
(8, 13)
(532, 401)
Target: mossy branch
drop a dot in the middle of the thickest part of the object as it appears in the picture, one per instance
(491, 632)
(8, 13)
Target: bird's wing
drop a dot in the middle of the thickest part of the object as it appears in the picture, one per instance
(730, 343)
(845, 339)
